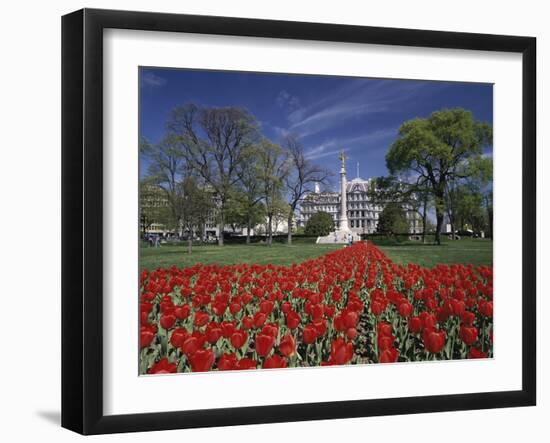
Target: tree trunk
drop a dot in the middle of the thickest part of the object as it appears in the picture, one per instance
(439, 223)
(424, 219)
(221, 225)
(270, 229)
(289, 225)
(452, 223)
(248, 231)
(189, 242)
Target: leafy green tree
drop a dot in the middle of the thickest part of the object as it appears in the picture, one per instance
(244, 213)
(439, 150)
(273, 170)
(393, 220)
(414, 196)
(195, 204)
(250, 186)
(319, 224)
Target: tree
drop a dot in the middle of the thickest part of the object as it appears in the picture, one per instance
(214, 142)
(439, 150)
(166, 164)
(272, 172)
(249, 172)
(302, 176)
(320, 224)
(393, 220)
(194, 205)
(414, 196)
(244, 213)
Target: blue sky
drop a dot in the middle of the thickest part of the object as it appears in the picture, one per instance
(359, 115)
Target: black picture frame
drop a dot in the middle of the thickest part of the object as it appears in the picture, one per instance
(82, 218)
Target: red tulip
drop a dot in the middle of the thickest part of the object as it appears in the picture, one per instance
(275, 361)
(190, 345)
(309, 334)
(350, 319)
(434, 341)
(270, 329)
(247, 322)
(341, 352)
(384, 328)
(245, 363)
(286, 307)
(317, 312)
(389, 355)
(202, 360)
(264, 343)
(415, 325)
(178, 336)
(266, 307)
(213, 332)
(405, 309)
(468, 334)
(146, 336)
(259, 319)
(477, 353)
(320, 326)
(239, 339)
(293, 319)
(468, 318)
(428, 320)
(377, 307)
(163, 366)
(486, 308)
(227, 362)
(385, 342)
(201, 318)
(234, 308)
(287, 346)
(167, 321)
(228, 327)
(182, 312)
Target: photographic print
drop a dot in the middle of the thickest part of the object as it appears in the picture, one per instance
(293, 221)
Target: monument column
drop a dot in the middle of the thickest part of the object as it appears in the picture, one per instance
(343, 195)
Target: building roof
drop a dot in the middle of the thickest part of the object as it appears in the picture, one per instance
(358, 185)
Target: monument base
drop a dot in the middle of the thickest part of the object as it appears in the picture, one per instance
(338, 237)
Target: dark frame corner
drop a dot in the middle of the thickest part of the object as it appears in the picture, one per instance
(82, 152)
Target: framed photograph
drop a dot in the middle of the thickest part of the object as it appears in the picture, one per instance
(269, 221)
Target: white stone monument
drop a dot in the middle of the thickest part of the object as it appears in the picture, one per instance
(343, 234)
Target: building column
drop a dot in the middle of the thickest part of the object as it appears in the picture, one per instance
(343, 195)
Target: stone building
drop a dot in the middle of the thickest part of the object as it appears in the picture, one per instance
(362, 214)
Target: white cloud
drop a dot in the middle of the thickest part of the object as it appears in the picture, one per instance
(334, 146)
(287, 101)
(152, 80)
(355, 99)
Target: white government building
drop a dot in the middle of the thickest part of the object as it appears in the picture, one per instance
(361, 215)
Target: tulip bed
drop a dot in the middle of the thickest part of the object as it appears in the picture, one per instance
(351, 306)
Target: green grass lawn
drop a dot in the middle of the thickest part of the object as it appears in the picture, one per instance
(277, 254)
(466, 250)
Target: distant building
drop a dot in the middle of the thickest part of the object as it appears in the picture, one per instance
(362, 214)
(153, 207)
